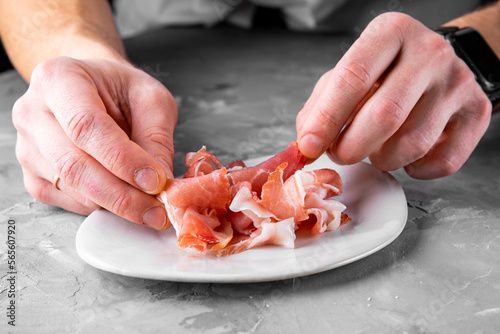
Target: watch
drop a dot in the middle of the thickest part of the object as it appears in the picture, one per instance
(471, 47)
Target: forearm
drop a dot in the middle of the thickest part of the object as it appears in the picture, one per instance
(486, 21)
(33, 31)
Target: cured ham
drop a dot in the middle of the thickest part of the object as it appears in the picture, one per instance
(229, 209)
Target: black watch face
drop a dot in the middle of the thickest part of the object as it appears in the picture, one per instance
(480, 58)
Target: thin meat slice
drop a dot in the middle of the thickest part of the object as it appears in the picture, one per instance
(327, 181)
(195, 206)
(328, 212)
(300, 197)
(282, 202)
(197, 230)
(247, 202)
(257, 175)
(206, 191)
(239, 221)
(316, 189)
(235, 164)
(230, 209)
(201, 163)
(280, 233)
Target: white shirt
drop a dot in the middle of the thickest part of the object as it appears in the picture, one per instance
(134, 16)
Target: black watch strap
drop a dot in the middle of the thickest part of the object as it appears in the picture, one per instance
(470, 46)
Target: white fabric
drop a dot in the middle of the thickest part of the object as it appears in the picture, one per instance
(133, 16)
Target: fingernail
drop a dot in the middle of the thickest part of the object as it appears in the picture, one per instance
(166, 168)
(155, 217)
(311, 146)
(147, 179)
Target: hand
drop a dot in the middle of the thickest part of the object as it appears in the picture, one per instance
(106, 130)
(399, 96)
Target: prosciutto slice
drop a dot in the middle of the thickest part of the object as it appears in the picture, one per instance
(229, 209)
(257, 175)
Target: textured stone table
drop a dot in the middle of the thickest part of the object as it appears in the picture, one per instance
(238, 93)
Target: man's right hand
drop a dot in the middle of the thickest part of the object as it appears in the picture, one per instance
(105, 129)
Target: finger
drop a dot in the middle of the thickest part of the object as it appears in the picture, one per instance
(45, 192)
(445, 158)
(35, 164)
(350, 81)
(153, 118)
(69, 92)
(83, 174)
(385, 111)
(442, 106)
(308, 106)
(318, 89)
(30, 158)
(27, 152)
(456, 143)
(304, 113)
(415, 137)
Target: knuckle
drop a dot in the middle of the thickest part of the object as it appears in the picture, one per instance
(81, 127)
(388, 113)
(120, 204)
(22, 154)
(447, 166)
(157, 135)
(481, 116)
(436, 52)
(161, 96)
(115, 158)
(346, 156)
(354, 75)
(21, 114)
(485, 108)
(71, 167)
(382, 160)
(163, 140)
(416, 144)
(155, 91)
(476, 107)
(327, 118)
(399, 23)
(462, 73)
(394, 23)
(437, 47)
(49, 69)
(393, 17)
(479, 109)
(160, 138)
(44, 71)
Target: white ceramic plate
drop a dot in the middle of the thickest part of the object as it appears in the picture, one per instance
(374, 199)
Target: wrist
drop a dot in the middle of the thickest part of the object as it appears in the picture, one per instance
(90, 46)
(471, 47)
(485, 21)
